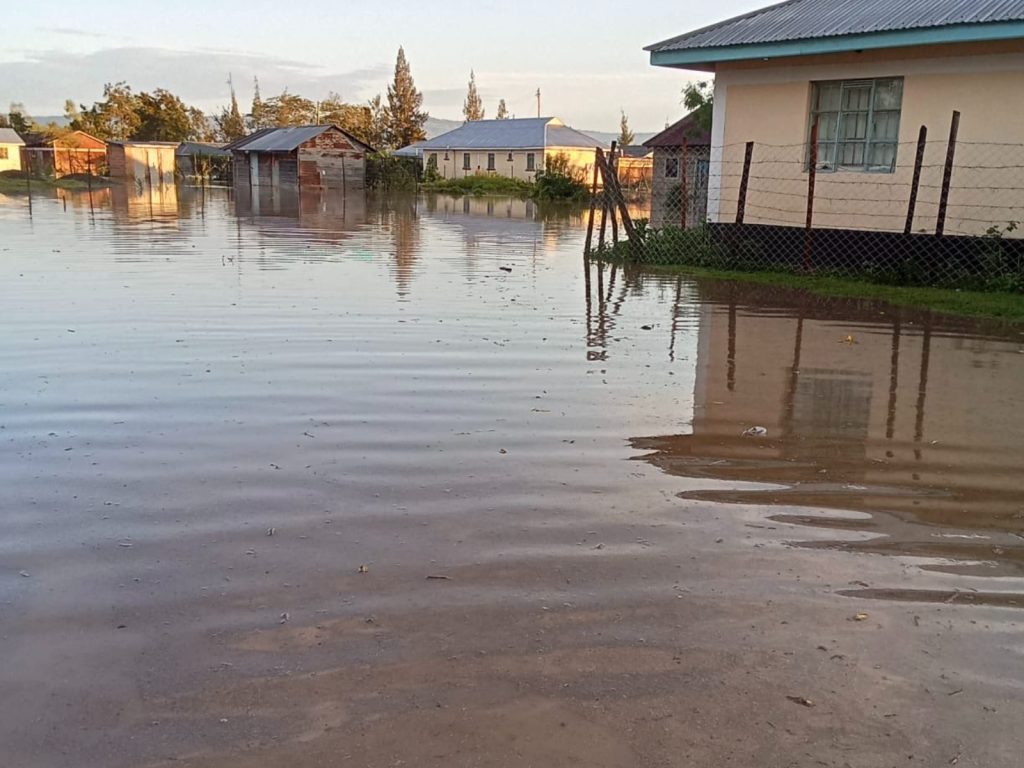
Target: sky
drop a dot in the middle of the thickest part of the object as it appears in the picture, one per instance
(587, 58)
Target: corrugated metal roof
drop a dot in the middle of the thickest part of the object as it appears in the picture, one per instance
(413, 150)
(10, 136)
(522, 133)
(286, 139)
(201, 149)
(812, 19)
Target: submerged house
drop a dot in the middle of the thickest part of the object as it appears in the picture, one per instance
(310, 156)
(517, 148)
(869, 74)
(144, 162)
(681, 155)
(202, 160)
(70, 153)
(10, 150)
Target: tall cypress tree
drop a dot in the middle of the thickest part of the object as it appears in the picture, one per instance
(258, 115)
(473, 107)
(405, 116)
(229, 121)
(625, 134)
(502, 111)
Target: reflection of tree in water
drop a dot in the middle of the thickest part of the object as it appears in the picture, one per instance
(398, 215)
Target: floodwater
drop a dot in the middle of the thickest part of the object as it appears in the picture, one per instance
(322, 481)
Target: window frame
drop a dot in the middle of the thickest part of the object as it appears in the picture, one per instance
(4, 153)
(672, 162)
(830, 148)
(467, 161)
(531, 162)
(491, 162)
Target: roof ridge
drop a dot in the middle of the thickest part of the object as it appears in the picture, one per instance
(720, 24)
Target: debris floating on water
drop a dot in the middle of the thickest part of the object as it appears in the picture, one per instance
(363, 569)
(755, 432)
(801, 701)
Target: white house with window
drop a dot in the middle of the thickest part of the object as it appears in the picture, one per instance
(868, 77)
(10, 150)
(517, 148)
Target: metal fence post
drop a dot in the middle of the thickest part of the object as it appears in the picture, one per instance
(741, 202)
(922, 140)
(947, 174)
(593, 205)
(811, 176)
(683, 191)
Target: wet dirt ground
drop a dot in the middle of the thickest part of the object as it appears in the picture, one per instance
(316, 482)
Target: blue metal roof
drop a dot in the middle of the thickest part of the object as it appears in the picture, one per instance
(796, 20)
(523, 133)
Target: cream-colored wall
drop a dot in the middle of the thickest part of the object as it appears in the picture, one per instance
(769, 104)
(452, 168)
(13, 160)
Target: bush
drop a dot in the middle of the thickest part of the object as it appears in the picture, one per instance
(560, 180)
(387, 172)
(481, 185)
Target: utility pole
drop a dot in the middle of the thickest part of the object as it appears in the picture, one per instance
(538, 102)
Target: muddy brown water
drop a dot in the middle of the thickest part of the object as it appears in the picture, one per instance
(317, 482)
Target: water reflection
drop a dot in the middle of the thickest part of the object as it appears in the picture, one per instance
(911, 419)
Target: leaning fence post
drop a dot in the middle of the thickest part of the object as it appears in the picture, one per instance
(614, 172)
(811, 175)
(947, 174)
(741, 203)
(922, 140)
(593, 205)
(683, 192)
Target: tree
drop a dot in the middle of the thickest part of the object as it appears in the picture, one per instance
(162, 116)
(699, 100)
(502, 113)
(377, 136)
(19, 119)
(289, 109)
(116, 118)
(625, 134)
(473, 107)
(230, 124)
(258, 117)
(405, 116)
(356, 119)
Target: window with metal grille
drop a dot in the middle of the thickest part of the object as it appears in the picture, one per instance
(466, 166)
(858, 124)
(671, 167)
(530, 161)
(490, 161)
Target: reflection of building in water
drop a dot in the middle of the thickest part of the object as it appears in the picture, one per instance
(884, 412)
(135, 202)
(324, 212)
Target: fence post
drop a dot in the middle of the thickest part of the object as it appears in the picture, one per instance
(593, 205)
(28, 179)
(947, 174)
(922, 140)
(614, 171)
(683, 192)
(811, 176)
(741, 203)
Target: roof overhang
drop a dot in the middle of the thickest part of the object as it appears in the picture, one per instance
(706, 58)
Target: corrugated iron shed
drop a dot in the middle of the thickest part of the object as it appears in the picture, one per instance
(285, 139)
(813, 19)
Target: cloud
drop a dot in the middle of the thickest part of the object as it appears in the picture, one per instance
(44, 79)
(72, 32)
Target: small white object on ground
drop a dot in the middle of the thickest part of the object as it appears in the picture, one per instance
(755, 432)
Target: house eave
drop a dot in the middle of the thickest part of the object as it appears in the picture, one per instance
(705, 59)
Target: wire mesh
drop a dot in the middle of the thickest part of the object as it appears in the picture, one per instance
(905, 215)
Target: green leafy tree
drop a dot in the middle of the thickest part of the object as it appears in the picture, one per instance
(405, 116)
(163, 116)
(258, 114)
(473, 106)
(626, 136)
(699, 100)
(230, 124)
(290, 109)
(20, 120)
(356, 119)
(115, 118)
(377, 136)
(502, 113)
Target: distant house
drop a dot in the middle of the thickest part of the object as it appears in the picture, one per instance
(64, 155)
(636, 166)
(670, 167)
(514, 148)
(869, 73)
(311, 156)
(147, 162)
(10, 150)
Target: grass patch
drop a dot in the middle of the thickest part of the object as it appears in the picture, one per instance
(1004, 306)
(481, 186)
(13, 182)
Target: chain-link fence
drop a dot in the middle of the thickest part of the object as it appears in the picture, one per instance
(931, 212)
